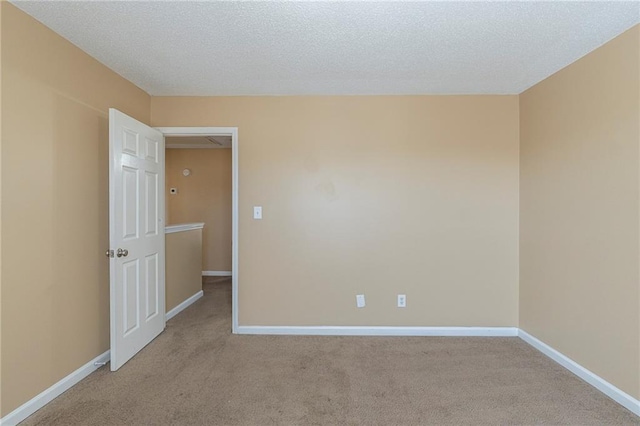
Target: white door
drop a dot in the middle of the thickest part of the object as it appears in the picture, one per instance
(136, 230)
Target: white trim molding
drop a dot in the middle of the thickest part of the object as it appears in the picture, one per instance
(184, 305)
(217, 273)
(235, 256)
(195, 146)
(619, 396)
(380, 331)
(170, 229)
(197, 131)
(48, 395)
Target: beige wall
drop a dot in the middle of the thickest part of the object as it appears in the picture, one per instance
(579, 279)
(373, 195)
(204, 196)
(183, 267)
(55, 280)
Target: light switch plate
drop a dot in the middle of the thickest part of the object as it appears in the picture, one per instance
(257, 212)
(360, 303)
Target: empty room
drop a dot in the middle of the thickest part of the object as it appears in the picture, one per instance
(314, 212)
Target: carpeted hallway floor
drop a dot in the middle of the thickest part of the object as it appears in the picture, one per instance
(197, 373)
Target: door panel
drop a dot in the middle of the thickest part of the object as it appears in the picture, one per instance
(136, 217)
(130, 205)
(152, 285)
(151, 203)
(152, 150)
(130, 293)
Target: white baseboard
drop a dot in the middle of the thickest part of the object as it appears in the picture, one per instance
(594, 380)
(216, 273)
(48, 395)
(622, 398)
(184, 305)
(380, 331)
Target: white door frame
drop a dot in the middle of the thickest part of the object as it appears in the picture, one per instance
(233, 132)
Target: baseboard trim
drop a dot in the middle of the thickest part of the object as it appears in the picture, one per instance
(381, 331)
(216, 273)
(184, 305)
(593, 379)
(619, 396)
(48, 395)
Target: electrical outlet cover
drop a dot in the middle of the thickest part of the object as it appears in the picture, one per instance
(257, 212)
(402, 301)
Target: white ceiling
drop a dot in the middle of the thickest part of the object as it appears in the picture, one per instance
(295, 48)
(198, 141)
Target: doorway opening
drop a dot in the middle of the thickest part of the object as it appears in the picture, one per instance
(201, 174)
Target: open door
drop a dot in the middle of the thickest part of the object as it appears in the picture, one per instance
(136, 233)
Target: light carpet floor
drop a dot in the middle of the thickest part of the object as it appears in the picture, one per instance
(197, 373)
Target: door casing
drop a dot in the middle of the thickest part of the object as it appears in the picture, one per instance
(221, 131)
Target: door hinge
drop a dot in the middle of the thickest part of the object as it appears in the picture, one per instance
(109, 253)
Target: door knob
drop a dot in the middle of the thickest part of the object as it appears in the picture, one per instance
(122, 252)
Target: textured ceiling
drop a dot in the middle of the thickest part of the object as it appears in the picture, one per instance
(295, 48)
